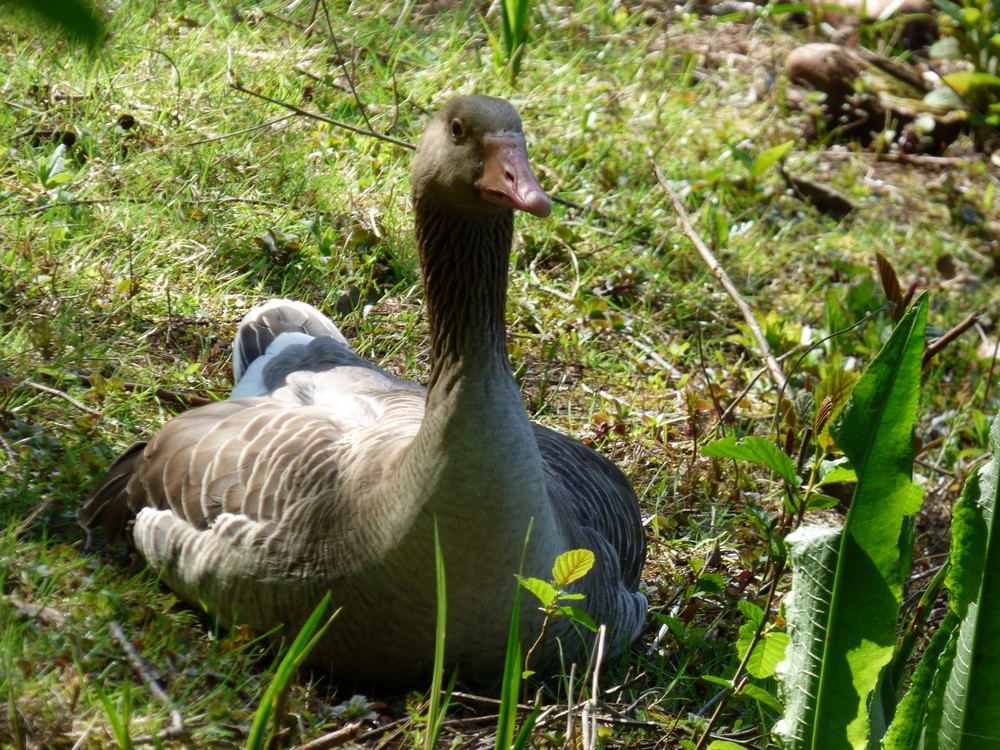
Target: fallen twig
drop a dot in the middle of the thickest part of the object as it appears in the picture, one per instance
(176, 728)
(8, 452)
(166, 395)
(336, 738)
(924, 160)
(588, 716)
(96, 413)
(823, 197)
(47, 615)
(777, 375)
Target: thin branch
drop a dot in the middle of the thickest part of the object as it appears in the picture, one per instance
(378, 54)
(777, 375)
(323, 118)
(239, 132)
(336, 738)
(940, 343)
(65, 396)
(753, 379)
(8, 452)
(176, 728)
(166, 395)
(588, 717)
(343, 66)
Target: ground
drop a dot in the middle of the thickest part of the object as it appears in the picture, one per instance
(147, 203)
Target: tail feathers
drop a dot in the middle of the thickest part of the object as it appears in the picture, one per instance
(109, 506)
(265, 323)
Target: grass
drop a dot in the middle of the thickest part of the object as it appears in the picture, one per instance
(183, 203)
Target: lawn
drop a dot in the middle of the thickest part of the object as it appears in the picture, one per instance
(149, 199)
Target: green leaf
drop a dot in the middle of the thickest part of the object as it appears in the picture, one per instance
(753, 613)
(847, 585)
(966, 82)
(708, 583)
(577, 615)
(950, 9)
(58, 179)
(747, 632)
(924, 698)
(819, 501)
(544, 590)
(52, 166)
(724, 745)
(767, 654)
(572, 566)
(717, 680)
(767, 159)
(757, 693)
(756, 450)
(838, 475)
(966, 716)
(76, 18)
(875, 431)
(946, 48)
(812, 552)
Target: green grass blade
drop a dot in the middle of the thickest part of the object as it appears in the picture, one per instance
(269, 709)
(524, 733)
(512, 668)
(768, 158)
(511, 687)
(435, 710)
(118, 716)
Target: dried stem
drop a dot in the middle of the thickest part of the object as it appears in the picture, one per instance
(777, 375)
(176, 728)
(323, 118)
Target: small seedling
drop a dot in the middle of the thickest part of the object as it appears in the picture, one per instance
(570, 566)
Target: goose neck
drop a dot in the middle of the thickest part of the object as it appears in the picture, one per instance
(464, 261)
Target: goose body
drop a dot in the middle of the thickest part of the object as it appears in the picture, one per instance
(324, 472)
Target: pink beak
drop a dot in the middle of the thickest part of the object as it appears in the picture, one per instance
(507, 177)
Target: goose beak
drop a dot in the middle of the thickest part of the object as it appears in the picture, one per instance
(507, 177)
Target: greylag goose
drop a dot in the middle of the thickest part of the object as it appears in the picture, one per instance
(323, 472)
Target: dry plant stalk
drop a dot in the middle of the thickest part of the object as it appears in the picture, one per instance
(777, 374)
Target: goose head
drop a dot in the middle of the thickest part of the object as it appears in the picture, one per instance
(472, 162)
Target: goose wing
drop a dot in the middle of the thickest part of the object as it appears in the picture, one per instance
(592, 494)
(264, 459)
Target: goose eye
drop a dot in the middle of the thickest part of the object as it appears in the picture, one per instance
(457, 130)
